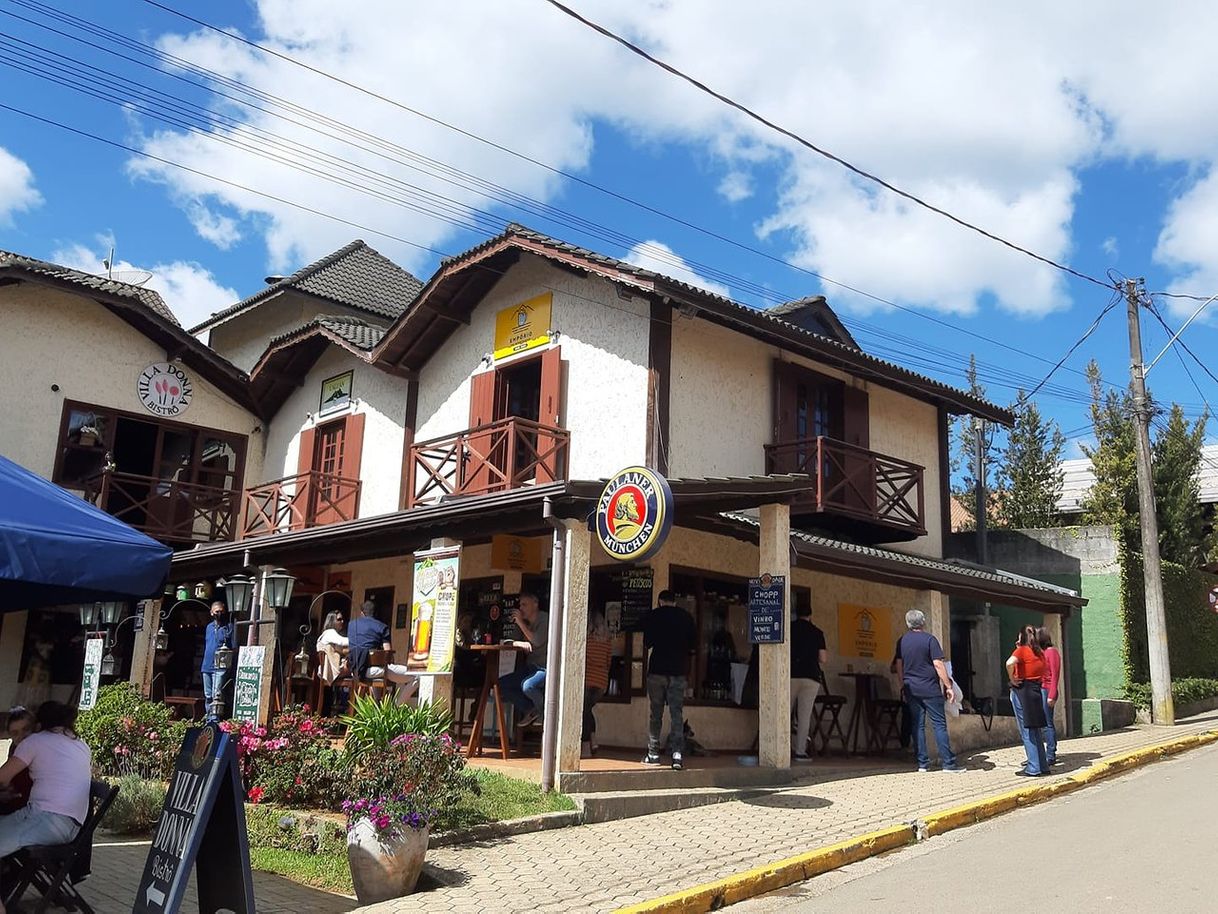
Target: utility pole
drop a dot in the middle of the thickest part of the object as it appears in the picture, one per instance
(1156, 624)
(979, 491)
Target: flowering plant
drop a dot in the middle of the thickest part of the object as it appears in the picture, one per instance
(408, 785)
(130, 735)
(292, 760)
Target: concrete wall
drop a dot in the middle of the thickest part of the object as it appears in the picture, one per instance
(379, 396)
(244, 337)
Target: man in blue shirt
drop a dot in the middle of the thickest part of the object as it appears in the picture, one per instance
(921, 668)
(367, 633)
(220, 631)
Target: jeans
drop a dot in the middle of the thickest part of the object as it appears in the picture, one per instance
(213, 685)
(1050, 731)
(591, 697)
(1033, 742)
(525, 689)
(28, 827)
(803, 700)
(670, 691)
(919, 709)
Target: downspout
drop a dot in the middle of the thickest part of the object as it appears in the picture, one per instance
(549, 725)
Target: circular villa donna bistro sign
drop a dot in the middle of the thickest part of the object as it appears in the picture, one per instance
(164, 389)
(634, 514)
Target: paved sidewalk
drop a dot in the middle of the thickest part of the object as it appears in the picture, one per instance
(605, 866)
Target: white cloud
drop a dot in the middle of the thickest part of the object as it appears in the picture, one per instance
(660, 258)
(989, 112)
(1110, 246)
(190, 291)
(17, 191)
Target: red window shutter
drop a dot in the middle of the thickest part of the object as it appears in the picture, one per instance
(481, 399)
(474, 476)
(304, 460)
(550, 412)
(301, 497)
(353, 447)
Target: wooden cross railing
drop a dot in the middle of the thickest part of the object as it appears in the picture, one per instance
(854, 482)
(495, 457)
(165, 509)
(296, 502)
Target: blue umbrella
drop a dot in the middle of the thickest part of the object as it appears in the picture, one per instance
(56, 548)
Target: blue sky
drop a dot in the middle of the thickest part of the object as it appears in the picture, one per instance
(1078, 135)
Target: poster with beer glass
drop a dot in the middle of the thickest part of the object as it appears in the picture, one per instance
(437, 578)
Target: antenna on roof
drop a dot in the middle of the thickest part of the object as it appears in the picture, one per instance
(108, 263)
(130, 277)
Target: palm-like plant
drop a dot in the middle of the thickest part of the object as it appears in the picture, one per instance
(375, 722)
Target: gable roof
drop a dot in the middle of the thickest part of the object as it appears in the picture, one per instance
(455, 289)
(355, 276)
(142, 309)
(60, 275)
(814, 314)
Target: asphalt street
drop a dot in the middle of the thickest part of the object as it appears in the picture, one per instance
(1143, 842)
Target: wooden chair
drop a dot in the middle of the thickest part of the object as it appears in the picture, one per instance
(886, 722)
(827, 718)
(377, 686)
(343, 681)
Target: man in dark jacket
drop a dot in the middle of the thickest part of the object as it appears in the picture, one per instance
(808, 656)
(670, 634)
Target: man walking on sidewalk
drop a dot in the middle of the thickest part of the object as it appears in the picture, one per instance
(808, 657)
(927, 686)
(670, 634)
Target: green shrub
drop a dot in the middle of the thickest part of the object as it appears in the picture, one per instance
(1183, 692)
(375, 723)
(290, 761)
(137, 807)
(131, 735)
(275, 827)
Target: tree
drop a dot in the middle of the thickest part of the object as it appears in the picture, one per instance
(964, 459)
(1030, 474)
(1113, 498)
(1176, 460)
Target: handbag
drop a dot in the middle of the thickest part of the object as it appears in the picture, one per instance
(1033, 703)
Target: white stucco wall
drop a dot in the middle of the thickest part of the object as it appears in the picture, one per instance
(721, 415)
(243, 338)
(604, 341)
(380, 397)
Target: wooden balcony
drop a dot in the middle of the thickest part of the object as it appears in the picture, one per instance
(495, 457)
(296, 502)
(176, 513)
(872, 497)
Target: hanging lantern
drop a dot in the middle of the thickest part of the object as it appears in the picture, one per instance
(203, 591)
(111, 611)
(87, 613)
(279, 586)
(109, 665)
(162, 639)
(182, 593)
(222, 659)
(239, 593)
(302, 663)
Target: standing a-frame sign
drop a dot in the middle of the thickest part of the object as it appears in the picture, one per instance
(202, 824)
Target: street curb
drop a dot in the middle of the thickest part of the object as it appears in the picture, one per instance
(711, 896)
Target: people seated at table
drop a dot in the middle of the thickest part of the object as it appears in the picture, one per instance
(597, 655)
(525, 688)
(367, 633)
(17, 794)
(60, 768)
(332, 650)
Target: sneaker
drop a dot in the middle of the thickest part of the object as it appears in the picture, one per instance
(954, 769)
(651, 758)
(528, 719)
(1025, 773)
(801, 757)
(677, 763)
(922, 769)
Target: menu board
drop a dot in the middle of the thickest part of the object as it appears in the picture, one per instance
(636, 584)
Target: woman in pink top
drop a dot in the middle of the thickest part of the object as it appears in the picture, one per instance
(1049, 687)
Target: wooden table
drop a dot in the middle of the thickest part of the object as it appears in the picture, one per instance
(490, 683)
(187, 706)
(862, 715)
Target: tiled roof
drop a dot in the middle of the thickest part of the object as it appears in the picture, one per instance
(850, 354)
(344, 327)
(1078, 477)
(355, 276)
(146, 297)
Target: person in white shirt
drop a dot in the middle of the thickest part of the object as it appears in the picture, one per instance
(332, 644)
(61, 768)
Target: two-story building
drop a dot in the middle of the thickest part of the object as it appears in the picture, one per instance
(525, 371)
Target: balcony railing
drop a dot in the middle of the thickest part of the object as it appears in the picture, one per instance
(165, 509)
(495, 457)
(854, 484)
(296, 502)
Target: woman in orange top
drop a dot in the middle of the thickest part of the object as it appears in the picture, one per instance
(596, 676)
(1026, 668)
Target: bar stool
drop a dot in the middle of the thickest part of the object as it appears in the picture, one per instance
(828, 706)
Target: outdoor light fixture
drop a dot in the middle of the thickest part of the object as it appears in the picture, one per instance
(302, 663)
(279, 586)
(88, 611)
(182, 593)
(239, 593)
(222, 658)
(110, 611)
(202, 591)
(109, 665)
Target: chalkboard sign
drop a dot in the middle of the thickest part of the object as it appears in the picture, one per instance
(247, 696)
(636, 584)
(202, 824)
(767, 610)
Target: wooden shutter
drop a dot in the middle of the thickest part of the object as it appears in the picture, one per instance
(473, 475)
(551, 464)
(301, 497)
(308, 441)
(856, 430)
(856, 421)
(353, 452)
(481, 399)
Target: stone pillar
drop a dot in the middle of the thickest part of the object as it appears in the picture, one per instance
(143, 646)
(265, 633)
(774, 713)
(988, 659)
(575, 639)
(1061, 712)
(938, 617)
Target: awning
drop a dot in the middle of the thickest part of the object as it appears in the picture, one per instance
(55, 548)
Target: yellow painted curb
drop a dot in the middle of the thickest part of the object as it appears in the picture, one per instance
(711, 896)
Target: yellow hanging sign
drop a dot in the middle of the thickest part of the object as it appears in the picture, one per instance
(864, 632)
(524, 326)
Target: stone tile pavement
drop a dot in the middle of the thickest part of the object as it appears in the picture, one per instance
(604, 866)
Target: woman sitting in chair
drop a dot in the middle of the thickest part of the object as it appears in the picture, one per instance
(60, 767)
(332, 646)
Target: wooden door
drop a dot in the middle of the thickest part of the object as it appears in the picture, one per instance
(329, 446)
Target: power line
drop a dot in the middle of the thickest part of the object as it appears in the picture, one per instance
(1069, 352)
(1178, 341)
(791, 135)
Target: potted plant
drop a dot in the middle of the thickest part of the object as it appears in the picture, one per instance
(395, 796)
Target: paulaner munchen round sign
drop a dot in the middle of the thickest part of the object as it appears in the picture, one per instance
(634, 514)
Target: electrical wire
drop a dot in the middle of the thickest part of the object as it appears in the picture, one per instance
(791, 135)
(1069, 352)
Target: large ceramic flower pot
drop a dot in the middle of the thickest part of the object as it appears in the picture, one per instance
(384, 866)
